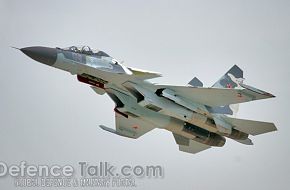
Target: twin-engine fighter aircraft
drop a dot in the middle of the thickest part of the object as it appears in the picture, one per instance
(198, 117)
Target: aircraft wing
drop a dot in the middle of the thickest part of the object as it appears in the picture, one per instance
(129, 126)
(188, 145)
(217, 96)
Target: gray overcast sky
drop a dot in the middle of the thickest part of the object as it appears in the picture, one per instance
(48, 117)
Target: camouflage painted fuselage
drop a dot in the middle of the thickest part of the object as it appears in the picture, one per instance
(198, 117)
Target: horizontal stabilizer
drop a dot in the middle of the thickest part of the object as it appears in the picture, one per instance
(188, 145)
(251, 127)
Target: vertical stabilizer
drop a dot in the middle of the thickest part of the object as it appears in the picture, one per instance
(195, 82)
(232, 79)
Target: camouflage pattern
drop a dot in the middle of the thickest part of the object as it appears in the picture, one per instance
(99, 60)
(195, 82)
(231, 79)
(196, 115)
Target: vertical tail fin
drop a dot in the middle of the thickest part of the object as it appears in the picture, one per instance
(195, 82)
(231, 79)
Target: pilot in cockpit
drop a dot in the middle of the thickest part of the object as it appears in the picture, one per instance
(86, 50)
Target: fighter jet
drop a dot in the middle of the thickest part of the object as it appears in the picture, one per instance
(198, 117)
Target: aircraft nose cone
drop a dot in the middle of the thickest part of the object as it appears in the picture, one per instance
(41, 54)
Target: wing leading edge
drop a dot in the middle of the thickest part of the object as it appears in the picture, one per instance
(218, 96)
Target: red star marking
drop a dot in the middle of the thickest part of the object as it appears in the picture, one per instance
(229, 86)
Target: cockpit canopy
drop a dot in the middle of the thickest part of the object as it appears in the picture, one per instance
(86, 50)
